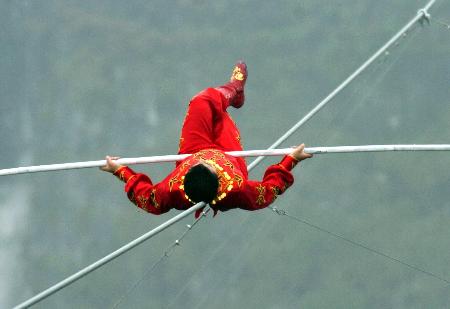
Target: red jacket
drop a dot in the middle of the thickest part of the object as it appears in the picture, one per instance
(208, 131)
(235, 190)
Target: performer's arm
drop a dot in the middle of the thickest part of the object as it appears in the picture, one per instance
(276, 180)
(139, 188)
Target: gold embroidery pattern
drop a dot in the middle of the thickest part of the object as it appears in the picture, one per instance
(173, 181)
(122, 175)
(229, 164)
(213, 161)
(185, 165)
(201, 155)
(261, 191)
(222, 182)
(153, 198)
(142, 202)
(237, 74)
(226, 182)
(275, 192)
(238, 179)
(217, 156)
(238, 134)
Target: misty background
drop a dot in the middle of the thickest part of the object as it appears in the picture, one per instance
(83, 79)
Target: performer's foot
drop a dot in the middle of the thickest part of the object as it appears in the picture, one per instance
(234, 90)
(238, 79)
(239, 76)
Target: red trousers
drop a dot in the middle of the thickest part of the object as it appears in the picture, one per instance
(207, 125)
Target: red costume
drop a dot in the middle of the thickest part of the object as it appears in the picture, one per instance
(208, 131)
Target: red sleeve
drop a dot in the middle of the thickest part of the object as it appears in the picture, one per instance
(140, 190)
(276, 180)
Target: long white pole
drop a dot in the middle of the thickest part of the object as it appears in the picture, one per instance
(124, 161)
(378, 148)
(245, 153)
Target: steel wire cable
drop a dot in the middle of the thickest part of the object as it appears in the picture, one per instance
(169, 250)
(366, 88)
(358, 244)
(442, 23)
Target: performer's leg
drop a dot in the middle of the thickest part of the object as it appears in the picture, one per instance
(234, 90)
(197, 132)
(207, 110)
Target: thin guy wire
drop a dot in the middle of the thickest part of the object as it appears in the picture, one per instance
(357, 244)
(442, 23)
(234, 260)
(205, 263)
(383, 66)
(165, 255)
(437, 20)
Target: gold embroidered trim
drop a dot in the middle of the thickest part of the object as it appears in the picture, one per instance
(153, 198)
(132, 176)
(226, 184)
(275, 192)
(238, 179)
(172, 181)
(261, 190)
(237, 74)
(142, 201)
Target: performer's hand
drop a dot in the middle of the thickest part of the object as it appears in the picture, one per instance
(111, 166)
(300, 154)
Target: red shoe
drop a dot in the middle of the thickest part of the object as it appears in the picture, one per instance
(239, 76)
(234, 90)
